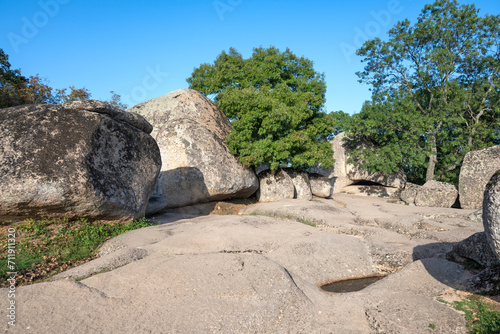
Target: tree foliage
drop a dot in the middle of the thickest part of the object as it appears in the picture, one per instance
(435, 91)
(387, 124)
(274, 100)
(11, 81)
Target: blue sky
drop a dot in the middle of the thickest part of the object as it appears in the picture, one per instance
(144, 49)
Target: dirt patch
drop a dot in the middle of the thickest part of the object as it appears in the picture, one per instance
(225, 207)
(231, 207)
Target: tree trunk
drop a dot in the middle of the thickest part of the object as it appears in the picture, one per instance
(432, 159)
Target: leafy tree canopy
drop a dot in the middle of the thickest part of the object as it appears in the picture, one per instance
(274, 100)
(10, 82)
(435, 92)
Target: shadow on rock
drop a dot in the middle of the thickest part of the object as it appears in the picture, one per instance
(370, 189)
(473, 270)
(186, 212)
(435, 249)
(453, 274)
(178, 187)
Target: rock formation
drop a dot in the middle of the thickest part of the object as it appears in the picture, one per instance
(196, 163)
(476, 248)
(249, 273)
(275, 186)
(345, 173)
(484, 247)
(437, 194)
(283, 183)
(320, 186)
(476, 171)
(301, 184)
(409, 193)
(432, 193)
(80, 159)
(491, 213)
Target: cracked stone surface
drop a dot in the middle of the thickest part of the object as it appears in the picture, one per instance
(261, 272)
(395, 234)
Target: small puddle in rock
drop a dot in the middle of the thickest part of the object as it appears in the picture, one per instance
(351, 284)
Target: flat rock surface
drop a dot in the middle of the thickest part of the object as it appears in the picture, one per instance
(261, 272)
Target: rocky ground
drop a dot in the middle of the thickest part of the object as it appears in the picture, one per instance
(261, 272)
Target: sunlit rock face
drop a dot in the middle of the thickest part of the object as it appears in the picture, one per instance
(476, 171)
(196, 163)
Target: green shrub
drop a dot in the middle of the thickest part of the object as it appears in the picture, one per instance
(46, 247)
(481, 317)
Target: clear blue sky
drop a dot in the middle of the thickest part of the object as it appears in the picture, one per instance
(144, 49)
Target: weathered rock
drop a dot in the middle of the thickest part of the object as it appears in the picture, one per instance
(283, 183)
(260, 274)
(409, 193)
(338, 173)
(301, 184)
(486, 282)
(476, 216)
(197, 165)
(437, 194)
(79, 159)
(275, 185)
(320, 186)
(238, 274)
(117, 259)
(476, 248)
(345, 173)
(476, 171)
(491, 213)
(418, 282)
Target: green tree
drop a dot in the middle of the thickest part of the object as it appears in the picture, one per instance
(445, 67)
(75, 94)
(274, 100)
(11, 81)
(116, 101)
(387, 124)
(37, 91)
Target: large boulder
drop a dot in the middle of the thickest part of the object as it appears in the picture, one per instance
(345, 173)
(338, 173)
(491, 213)
(275, 186)
(284, 183)
(80, 159)
(436, 194)
(301, 184)
(432, 193)
(197, 165)
(476, 171)
(321, 186)
(409, 193)
(476, 248)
